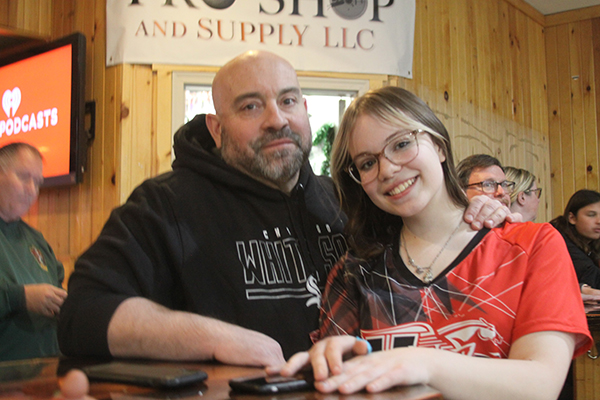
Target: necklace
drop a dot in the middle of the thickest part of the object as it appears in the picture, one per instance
(426, 270)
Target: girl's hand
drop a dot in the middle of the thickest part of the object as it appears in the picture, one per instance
(325, 357)
(380, 371)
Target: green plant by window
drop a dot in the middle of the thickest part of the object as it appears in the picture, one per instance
(324, 138)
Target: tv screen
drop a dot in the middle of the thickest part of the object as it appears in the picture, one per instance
(43, 104)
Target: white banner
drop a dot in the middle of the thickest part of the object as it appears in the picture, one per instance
(362, 36)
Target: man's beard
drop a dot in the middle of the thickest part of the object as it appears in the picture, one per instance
(277, 167)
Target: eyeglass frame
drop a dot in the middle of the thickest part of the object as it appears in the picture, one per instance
(538, 192)
(504, 184)
(382, 153)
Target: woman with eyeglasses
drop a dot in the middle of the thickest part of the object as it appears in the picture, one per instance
(475, 315)
(525, 197)
(580, 228)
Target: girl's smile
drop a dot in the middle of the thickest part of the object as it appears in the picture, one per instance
(402, 187)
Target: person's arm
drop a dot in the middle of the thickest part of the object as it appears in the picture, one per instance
(41, 298)
(141, 328)
(484, 211)
(536, 368)
(12, 298)
(587, 272)
(124, 293)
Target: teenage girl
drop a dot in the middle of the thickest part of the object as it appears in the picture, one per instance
(488, 314)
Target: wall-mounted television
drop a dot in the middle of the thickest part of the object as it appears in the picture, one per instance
(42, 90)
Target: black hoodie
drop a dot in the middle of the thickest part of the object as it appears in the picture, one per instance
(208, 239)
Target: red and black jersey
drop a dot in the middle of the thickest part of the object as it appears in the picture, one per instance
(506, 283)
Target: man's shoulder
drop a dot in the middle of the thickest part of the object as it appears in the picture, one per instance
(31, 233)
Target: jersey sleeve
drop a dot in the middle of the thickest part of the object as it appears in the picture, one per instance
(551, 300)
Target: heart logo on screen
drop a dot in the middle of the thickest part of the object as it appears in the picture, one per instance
(11, 100)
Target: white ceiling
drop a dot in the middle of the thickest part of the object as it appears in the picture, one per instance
(555, 6)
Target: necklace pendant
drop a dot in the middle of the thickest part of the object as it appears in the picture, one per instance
(428, 277)
(417, 268)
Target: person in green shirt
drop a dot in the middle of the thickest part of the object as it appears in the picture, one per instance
(30, 275)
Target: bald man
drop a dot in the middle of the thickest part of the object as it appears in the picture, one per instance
(31, 277)
(226, 256)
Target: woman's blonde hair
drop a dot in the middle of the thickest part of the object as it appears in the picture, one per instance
(523, 180)
(369, 228)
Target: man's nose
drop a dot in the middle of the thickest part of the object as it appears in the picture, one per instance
(500, 192)
(274, 117)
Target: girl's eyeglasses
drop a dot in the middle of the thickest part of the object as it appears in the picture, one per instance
(401, 148)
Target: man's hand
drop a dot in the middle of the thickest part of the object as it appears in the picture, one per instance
(44, 299)
(247, 347)
(484, 211)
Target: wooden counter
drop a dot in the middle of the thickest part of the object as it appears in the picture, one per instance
(37, 379)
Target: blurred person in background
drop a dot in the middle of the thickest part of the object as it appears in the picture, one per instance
(483, 174)
(525, 198)
(580, 227)
(30, 275)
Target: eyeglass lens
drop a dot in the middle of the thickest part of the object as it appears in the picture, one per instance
(401, 149)
(492, 186)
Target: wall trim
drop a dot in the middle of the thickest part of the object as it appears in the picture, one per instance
(528, 10)
(567, 17)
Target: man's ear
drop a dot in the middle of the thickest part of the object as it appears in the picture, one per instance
(214, 127)
(572, 218)
(521, 198)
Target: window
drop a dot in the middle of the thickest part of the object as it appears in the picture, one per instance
(326, 98)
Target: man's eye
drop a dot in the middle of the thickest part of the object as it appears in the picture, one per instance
(290, 101)
(249, 107)
(488, 185)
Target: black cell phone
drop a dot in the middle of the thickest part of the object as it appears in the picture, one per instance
(273, 384)
(163, 376)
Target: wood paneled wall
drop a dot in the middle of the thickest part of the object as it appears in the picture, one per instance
(573, 65)
(480, 65)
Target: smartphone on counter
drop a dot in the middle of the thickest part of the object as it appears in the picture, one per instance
(273, 384)
(163, 376)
